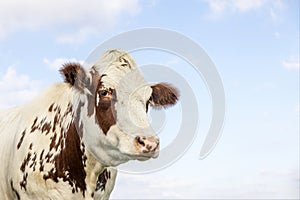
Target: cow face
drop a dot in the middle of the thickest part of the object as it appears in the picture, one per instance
(113, 121)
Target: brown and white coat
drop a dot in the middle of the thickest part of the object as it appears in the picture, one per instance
(65, 143)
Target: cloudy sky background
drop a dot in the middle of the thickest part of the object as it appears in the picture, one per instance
(255, 47)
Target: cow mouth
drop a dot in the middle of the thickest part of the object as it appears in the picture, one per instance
(146, 156)
(141, 156)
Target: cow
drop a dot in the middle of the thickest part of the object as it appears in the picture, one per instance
(67, 141)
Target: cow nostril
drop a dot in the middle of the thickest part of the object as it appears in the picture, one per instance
(140, 141)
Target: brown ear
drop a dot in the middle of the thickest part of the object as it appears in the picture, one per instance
(73, 73)
(163, 95)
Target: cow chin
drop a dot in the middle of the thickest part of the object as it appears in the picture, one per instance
(141, 157)
(147, 157)
(144, 156)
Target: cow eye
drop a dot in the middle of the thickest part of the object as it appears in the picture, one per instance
(104, 93)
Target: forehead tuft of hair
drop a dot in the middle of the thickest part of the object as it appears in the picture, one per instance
(116, 64)
(115, 57)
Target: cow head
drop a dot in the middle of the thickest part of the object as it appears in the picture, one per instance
(112, 108)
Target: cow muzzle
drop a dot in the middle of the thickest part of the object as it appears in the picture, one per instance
(147, 145)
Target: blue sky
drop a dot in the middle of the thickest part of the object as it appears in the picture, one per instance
(255, 47)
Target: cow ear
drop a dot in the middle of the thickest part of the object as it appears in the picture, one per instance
(73, 73)
(163, 95)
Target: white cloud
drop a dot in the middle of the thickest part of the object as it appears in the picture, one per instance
(219, 8)
(246, 5)
(292, 63)
(15, 88)
(222, 6)
(57, 63)
(76, 37)
(81, 18)
(276, 9)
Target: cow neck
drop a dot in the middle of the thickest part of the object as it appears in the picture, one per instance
(72, 163)
(92, 167)
(83, 169)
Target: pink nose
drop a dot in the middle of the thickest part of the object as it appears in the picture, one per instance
(148, 144)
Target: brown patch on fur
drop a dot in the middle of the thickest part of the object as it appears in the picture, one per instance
(65, 152)
(33, 164)
(105, 111)
(55, 121)
(46, 128)
(33, 127)
(25, 163)
(23, 183)
(102, 180)
(14, 190)
(21, 139)
(41, 161)
(69, 163)
(163, 94)
(42, 126)
(51, 108)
